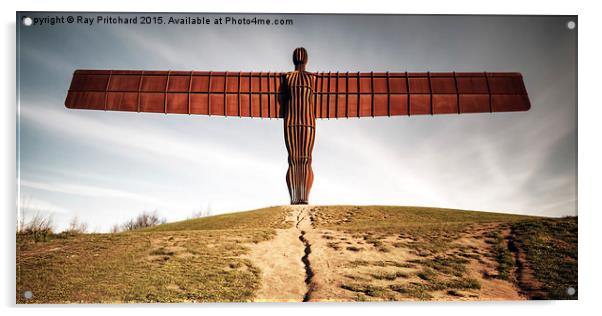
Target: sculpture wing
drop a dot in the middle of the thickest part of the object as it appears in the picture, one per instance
(243, 94)
(369, 94)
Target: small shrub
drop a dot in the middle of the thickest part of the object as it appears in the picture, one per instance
(76, 227)
(144, 220)
(39, 228)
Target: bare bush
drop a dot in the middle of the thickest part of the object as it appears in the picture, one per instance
(144, 220)
(39, 227)
(76, 227)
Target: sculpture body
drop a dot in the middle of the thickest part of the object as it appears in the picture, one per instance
(299, 129)
(299, 98)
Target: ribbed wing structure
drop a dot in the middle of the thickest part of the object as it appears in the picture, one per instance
(300, 97)
(243, 94)
(369, 94)
(260, 94)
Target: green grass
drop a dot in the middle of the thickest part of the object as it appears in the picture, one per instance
(432, 233)
(271, 217)
(502, 255)
(379, 263)
(370, 290)
(422, 290)
(445, 264)
(389, 275)
(415, 290)
(139, 267)
(386, 219)
(551, 250)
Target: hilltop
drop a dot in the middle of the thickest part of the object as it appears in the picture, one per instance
(310, 253)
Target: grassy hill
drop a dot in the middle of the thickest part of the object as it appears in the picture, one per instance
(266, 218)
(187, 261)
(446, 252)
(206, 259)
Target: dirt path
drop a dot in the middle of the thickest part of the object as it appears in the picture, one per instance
(302, 264)
(284, 261)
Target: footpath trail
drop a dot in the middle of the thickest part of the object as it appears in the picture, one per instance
(284, 261)
(305, 263)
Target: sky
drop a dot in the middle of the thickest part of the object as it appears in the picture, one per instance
(107, 167)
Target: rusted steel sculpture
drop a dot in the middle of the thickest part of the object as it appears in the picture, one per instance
(299, 129)
(299, 97)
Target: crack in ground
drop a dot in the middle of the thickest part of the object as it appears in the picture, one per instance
(309, 273)
(299, 219)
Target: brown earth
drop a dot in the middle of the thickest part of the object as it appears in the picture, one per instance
(279, 260)
(332, 258)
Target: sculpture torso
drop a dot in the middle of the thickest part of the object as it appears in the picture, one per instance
(299, 110)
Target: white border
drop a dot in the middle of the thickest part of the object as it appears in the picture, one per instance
(589, 155)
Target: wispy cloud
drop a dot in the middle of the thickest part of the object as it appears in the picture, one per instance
(31, 205)
(142, 142)
(86, 190)
(53, 62)
(472, 166)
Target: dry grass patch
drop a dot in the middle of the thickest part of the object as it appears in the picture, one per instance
(190, 261)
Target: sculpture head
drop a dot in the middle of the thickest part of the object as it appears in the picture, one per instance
(300, 58)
